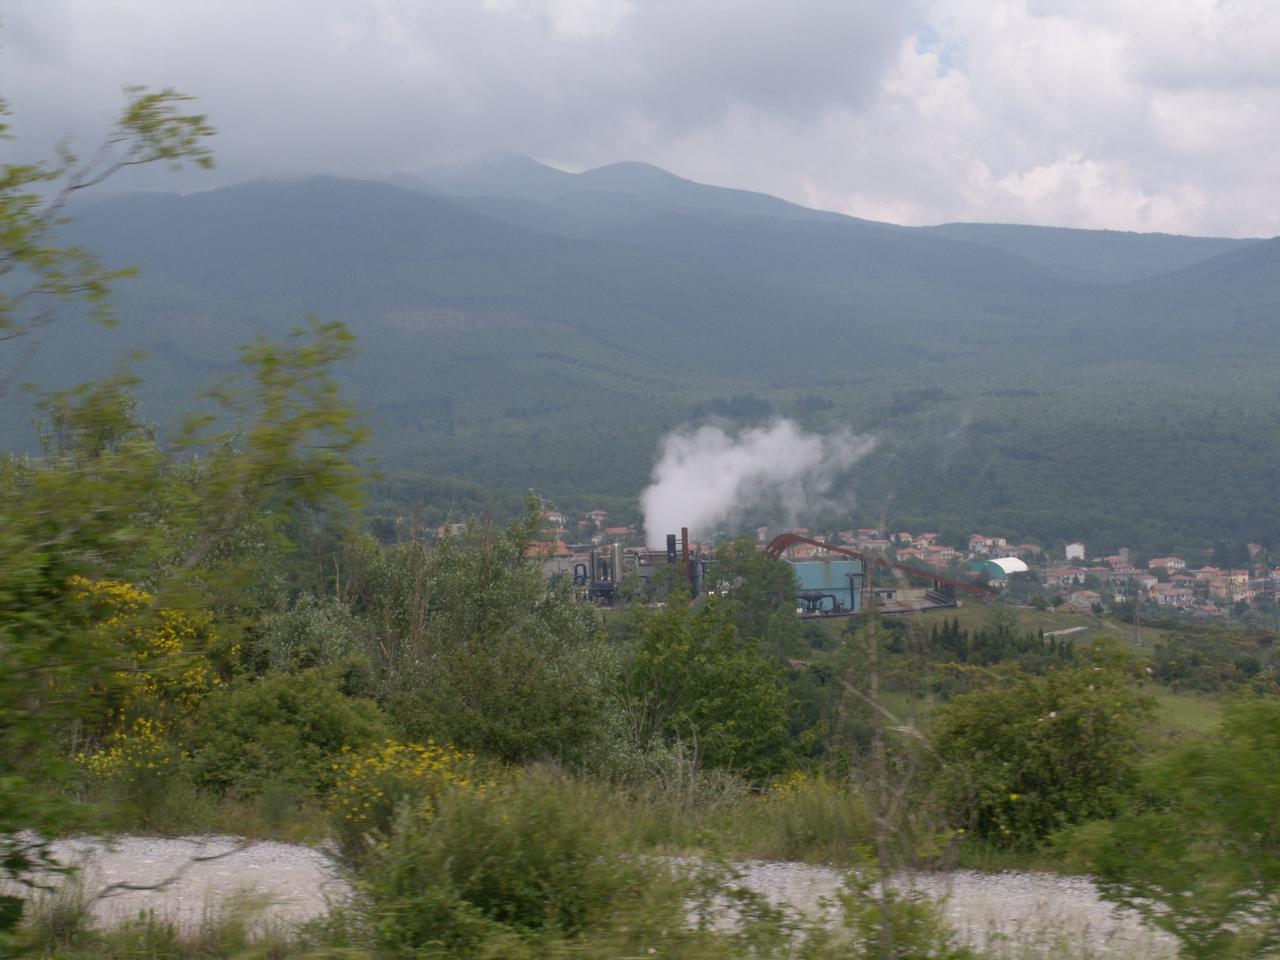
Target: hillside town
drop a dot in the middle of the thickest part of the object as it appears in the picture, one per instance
(1023, 572)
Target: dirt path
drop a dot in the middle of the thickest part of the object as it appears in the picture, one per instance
(1008, 913)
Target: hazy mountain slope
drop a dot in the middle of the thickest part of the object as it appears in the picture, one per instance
(724, 293)
(1093, 256)
(512, 176)
(1003, 394)
(606, 199)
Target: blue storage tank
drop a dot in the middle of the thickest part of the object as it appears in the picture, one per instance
(841, 578)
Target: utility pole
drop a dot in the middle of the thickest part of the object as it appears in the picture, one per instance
(881, 806)
(1137, 617)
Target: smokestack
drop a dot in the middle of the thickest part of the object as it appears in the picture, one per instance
(684, 558)
(617, 564)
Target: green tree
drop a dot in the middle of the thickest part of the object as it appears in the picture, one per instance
(1202, 859)
(47, 274)
(694, 679)
(54, 523)
(759, 595)
(474, 647)
(107, 500)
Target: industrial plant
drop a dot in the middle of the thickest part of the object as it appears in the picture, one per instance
(832, 580)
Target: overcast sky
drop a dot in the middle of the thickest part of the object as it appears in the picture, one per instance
(1126, 114)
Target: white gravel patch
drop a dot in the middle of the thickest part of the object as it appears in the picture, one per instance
(1008, 914)
(1012, 912)
(194, 875)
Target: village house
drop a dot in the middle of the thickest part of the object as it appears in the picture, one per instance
(1064, 576)
(805, 551)
(941, 552)
(1173, 595)
(1084, 599)
(1113, 575)
(1169, 563)
(1075, 551)
(982, 545)
(1231, 586)
(1145, 581)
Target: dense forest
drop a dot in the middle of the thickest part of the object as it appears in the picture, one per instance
(522, 328)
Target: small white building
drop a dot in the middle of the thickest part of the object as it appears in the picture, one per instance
(1075, 551)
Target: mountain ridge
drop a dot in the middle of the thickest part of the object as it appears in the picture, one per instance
(513, 356)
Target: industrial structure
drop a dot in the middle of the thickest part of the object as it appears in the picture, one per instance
(599, 574)
(833, 580)
(830, 587)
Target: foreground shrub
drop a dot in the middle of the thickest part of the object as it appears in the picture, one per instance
(1202, 861)
(281, 729)
(134, 773)
(371, 785)
(810, 817)
(1030, 754)
(162, 655)
(512, 870)
(889, 923)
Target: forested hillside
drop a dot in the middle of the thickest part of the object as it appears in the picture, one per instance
(524, 327)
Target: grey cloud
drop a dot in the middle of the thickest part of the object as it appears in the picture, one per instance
(1079, 112)
(332, 85)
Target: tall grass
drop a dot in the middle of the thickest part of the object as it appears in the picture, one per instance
(60, 926)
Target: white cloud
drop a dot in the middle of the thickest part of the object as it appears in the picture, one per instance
(586, 19)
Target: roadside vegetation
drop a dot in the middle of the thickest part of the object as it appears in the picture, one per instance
(198, 632)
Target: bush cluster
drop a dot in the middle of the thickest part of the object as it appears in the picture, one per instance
(371, 786)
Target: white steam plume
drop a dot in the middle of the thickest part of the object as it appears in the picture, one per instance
(705, 477)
